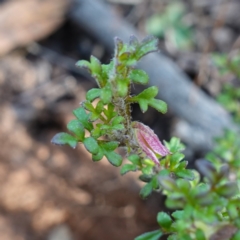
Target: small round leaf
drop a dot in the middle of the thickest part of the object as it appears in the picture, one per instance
(91, 145)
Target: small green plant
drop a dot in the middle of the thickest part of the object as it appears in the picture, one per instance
(230, 95)
(171, 26)
(105, 115)
(103, 124)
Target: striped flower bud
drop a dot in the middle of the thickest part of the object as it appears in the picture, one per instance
(149, 142)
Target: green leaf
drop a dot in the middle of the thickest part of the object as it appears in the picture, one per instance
(146, 190)
(164, 220)
(155, 183)
(106, 129)
(133, 42)
(94, 112)
(107, 68)
(110, 146)
(95, 69)
(143, 105)
(88, 106)
(126, 59)
(118, 127)
(201, 190)
(118, 44)
(145, 178)
(96, 132)
(135, 159)
(207, 200)
(184, 185)
(174, 145)
(175, 158)
(232, 210)
(122, 87)
(207, 169)
(146, 98)
(175, 203)
(109, 112)
(114, 158)
(173, 237)
(124, 56)
(148, 44)
(200, 235)
(148, 93)
(167, 183)
(98, 156)
(77, 128)
(84, 64)
(164, 173)
(93, 93)
(99, 107)
(183, 165)
(117, 120)
(147, 170)
(95, 65)
(83, 117)
(154, 235)
(185, 173)
(127, 168)
(91, 145)
(64, 138)
(139, 76)
(106, 94)
(107, 149)
(159, 105)
(228, 189)
(179, 214)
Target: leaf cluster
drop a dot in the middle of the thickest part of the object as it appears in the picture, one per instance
(208, 205)
(103, 121)
(172, 166)
(230, 94)
(203, 207)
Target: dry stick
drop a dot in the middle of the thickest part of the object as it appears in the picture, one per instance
(183, 97)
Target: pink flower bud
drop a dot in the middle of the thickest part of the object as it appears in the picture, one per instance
(149, 142)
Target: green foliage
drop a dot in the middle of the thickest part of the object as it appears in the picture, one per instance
(65, 138)
(147, 97)
(226, 64)
(154, 235)
(103, 124)
(230, 95)
(105, 114)
(207, 206)
(170, 24)
(203, 207)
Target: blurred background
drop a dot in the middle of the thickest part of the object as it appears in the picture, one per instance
(57, 193)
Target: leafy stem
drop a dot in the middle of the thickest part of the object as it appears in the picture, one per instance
(103, 124)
